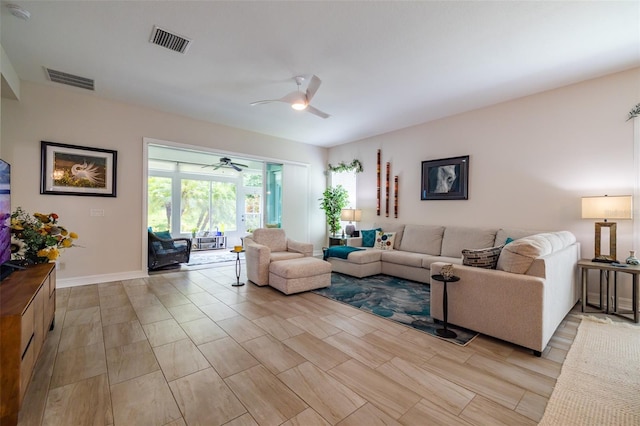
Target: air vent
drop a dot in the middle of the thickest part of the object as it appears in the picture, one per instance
(70, 79)
(169, 40)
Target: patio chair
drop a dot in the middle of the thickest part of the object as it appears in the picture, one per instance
(166, 251)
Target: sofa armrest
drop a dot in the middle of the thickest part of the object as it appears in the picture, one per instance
(257, 257)
(299, 247)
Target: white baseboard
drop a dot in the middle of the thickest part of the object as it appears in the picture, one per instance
(96, 279)
(624, 303)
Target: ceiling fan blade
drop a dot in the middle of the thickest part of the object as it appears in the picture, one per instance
(317, 112)
(240, 165)
(313, 86)
(236, 168)
(289, 98)
(266, 101)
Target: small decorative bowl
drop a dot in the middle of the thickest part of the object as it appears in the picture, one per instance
(447, 271)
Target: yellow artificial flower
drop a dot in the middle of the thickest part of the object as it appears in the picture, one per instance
(66, 243)
(42, 217)
(53, 254)
(73, 235)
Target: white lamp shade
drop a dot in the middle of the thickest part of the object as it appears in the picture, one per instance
(352, 215)
(607, 207)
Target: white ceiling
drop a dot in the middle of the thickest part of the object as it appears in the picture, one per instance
(385, 65)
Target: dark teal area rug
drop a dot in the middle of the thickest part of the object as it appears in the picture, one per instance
(403, 301)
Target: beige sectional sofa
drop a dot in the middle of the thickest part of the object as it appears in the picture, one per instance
(522, 301)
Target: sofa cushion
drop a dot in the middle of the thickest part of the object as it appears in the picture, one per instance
(274, 238)
(458, 238)
(385, 240)
(404, 258)
(482, 258)
(514, 233)
(518, 255)
(361, 257)
(392, 227)
(426, 239)
(428, 260)
(369, 237)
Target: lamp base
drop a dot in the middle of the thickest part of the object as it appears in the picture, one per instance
(349, 229)
(603, 259)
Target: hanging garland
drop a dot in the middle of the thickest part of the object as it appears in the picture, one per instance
(355, 165)
(635, 112)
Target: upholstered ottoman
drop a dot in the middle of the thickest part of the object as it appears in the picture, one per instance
(301, 274)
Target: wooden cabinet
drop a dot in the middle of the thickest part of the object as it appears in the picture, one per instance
(27, 312)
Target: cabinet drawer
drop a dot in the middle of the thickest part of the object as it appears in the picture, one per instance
(27, 327)
(26, 368)
(52, 281)
(50, 311)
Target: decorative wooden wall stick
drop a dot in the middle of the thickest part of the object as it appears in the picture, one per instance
(388, 185)
(378, 186)
(395, 197)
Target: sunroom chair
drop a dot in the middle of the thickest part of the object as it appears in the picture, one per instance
(268, 245)
(165, 251)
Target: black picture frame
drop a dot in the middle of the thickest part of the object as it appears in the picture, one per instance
(445, 179)
(77, 170)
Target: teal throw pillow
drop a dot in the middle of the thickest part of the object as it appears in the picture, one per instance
(509, 239)
(165, 235)
(369, 237)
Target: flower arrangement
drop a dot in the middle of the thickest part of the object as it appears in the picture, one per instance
(38, 238)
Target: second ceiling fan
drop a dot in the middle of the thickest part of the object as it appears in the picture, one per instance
(227, 163)
(298, 100)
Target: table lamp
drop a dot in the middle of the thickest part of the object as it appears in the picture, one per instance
(606, 207)
(352, 215)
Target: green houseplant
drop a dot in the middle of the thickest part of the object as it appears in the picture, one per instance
(333, 200)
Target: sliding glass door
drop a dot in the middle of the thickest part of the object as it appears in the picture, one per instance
(208, 205)
(185, 196)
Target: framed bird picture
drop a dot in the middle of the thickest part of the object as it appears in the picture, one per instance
(77, 170)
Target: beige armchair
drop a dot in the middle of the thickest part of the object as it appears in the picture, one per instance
(268, 245)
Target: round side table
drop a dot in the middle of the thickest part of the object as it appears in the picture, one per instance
(445, 332)
(238, 266)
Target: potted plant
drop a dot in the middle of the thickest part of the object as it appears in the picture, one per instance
(333, 200)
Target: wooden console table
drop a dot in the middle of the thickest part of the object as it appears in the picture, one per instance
(27, 313)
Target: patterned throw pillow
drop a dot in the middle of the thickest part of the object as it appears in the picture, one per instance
(384, 240)
(369, 237)
(482, 258)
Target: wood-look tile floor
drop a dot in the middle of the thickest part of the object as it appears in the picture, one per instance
(187, 348)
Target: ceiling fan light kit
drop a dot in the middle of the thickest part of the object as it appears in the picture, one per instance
(298, 100)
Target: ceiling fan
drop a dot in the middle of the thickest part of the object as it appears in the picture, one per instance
(226, 162)
(298, 100)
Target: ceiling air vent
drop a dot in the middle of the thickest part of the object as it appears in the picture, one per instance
(169, 40)
(70, 79)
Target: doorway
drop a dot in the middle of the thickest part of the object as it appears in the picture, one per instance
(192, 192)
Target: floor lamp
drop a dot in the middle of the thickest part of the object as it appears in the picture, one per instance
(606, 207)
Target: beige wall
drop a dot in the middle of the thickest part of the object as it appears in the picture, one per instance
(531, 160)
(113, 244)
